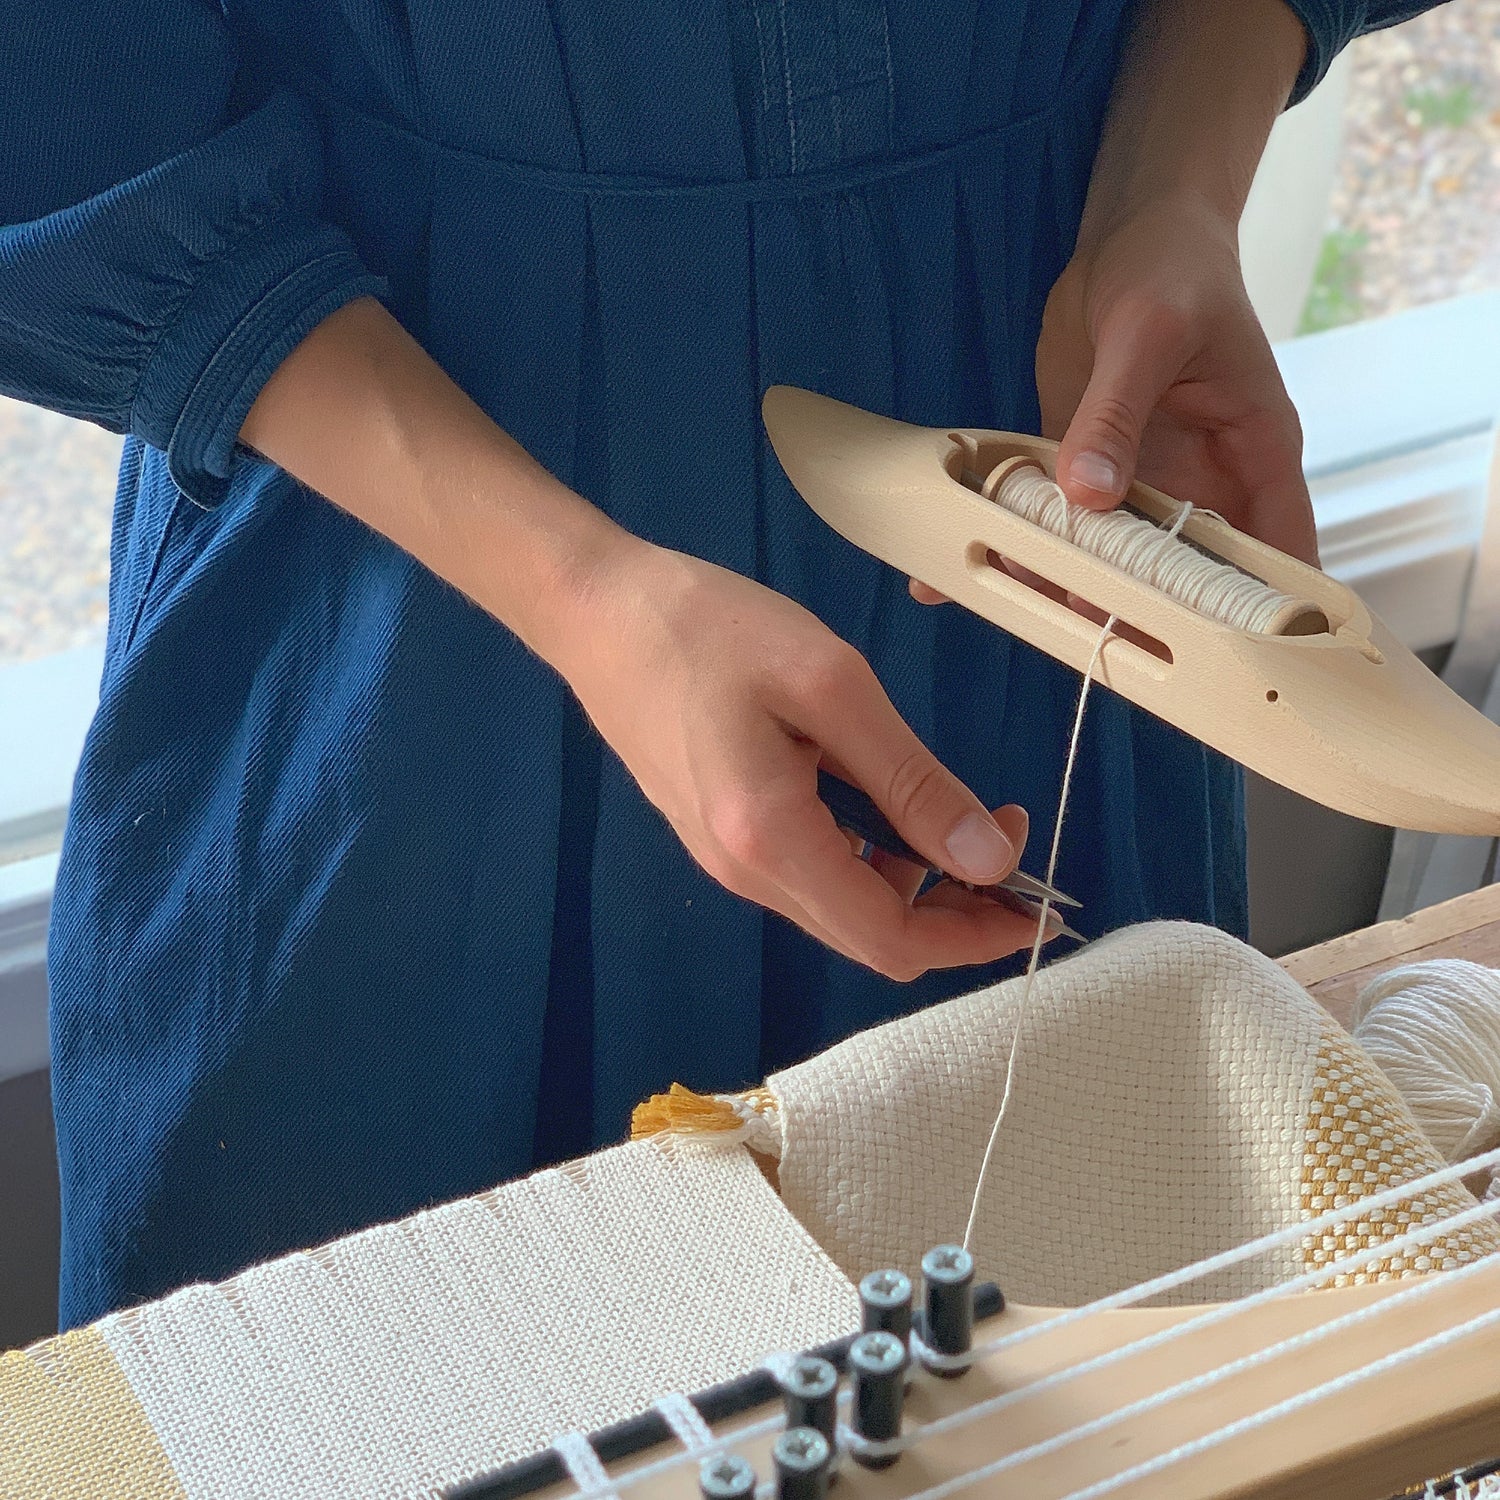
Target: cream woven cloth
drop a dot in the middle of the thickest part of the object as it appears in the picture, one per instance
(1176, 1093)
(414, 1355)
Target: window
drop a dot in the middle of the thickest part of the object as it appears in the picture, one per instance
(1414, 215)
(1372, 251)
(57, 484)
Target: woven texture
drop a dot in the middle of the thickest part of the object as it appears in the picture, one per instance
(1163, 1110)
(70, 1426)
(417, 1354)
(1361, 1140)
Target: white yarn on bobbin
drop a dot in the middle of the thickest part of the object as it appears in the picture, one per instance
(1148, 552)
(1434, 1028)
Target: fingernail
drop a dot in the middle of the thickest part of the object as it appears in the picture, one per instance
(979, 850)
(1095, 471)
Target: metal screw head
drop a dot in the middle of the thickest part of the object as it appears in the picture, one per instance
(811, 1377)
(803, 1449)
(948, 1264)
(885, 1288)
(726, 1476)
(877, 1353)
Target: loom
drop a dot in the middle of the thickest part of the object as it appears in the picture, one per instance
(1319, 696)
(1216, 1274)
(1214, 1279)
(1341, 1395)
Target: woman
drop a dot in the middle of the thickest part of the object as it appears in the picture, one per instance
(374, 893)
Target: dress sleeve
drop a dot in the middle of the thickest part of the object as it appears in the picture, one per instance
(1332, 24)
(159, 257)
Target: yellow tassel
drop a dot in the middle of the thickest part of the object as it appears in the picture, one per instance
(683, 1111)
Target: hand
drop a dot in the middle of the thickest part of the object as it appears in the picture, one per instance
(723, 698)
(1152, 360)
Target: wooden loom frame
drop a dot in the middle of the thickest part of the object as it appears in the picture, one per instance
(1386, 1434)
(1420, 1422)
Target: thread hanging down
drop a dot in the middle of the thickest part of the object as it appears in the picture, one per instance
(1155, 555)
(1023, 1009)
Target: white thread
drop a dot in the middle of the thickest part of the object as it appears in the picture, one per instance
(935, 1360)
(584, 1468)
(1431, 1345)
(1154, 1287)
(759, 1129)
(685, 1420)
(1023, 1008)
(1487, 1489)
(1220, 1313)
(1150, 553)
(857, 1443)
(1434, 1028)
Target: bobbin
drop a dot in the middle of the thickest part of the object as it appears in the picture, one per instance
(803, 1458)
(726, 1476)
(810, 1394)
(877, 1373)
(885, 1303)
(1334, 706)
(948, 1308)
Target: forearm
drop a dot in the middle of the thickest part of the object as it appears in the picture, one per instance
(361, 414)
(1200, 84)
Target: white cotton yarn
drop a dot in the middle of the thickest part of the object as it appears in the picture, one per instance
(1434, 1028)
(1148, 552)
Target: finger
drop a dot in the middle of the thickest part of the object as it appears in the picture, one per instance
(767, 893)
(903, 877)
(1139, 352)
(906, 878)
(928, 806)
(1015, 824)
(1265, 455)
(924, 595)
(865, 915)
(802, 868)
(956, 898)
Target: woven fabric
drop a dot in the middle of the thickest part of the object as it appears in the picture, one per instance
(1162, 1094)
(420, 1353)
(1360, 1140)
(70, 1426)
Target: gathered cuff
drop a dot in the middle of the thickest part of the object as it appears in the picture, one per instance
(247, 311)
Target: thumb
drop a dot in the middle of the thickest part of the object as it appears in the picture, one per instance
(925, 802)
(1136, 360)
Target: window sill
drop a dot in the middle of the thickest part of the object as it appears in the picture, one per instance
(1400, 416)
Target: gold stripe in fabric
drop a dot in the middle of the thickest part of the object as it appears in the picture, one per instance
(70, 1425)
(1360, 1140)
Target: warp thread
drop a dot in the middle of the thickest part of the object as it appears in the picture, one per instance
(685, 1420)
(1434, 1028)
(585, 1468)
(1154, 555)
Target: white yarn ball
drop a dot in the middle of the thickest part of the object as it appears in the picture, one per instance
(1434, 1028)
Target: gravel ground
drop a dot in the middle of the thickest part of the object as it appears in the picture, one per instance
(1415, 216)
(57, 484)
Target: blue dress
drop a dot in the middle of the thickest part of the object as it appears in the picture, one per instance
(355, 912)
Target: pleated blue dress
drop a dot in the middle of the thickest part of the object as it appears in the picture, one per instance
(356, 913)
